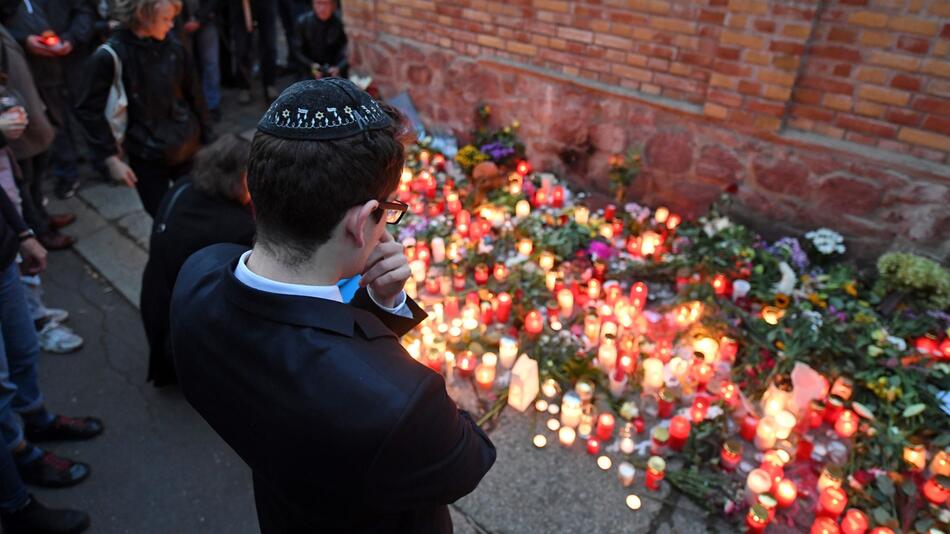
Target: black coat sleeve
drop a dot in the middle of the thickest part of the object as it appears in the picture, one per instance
(100, 72)
(298, 44)
(81, 24)
(10, 215)
(399, 325)
(434, 455)
(195, 96)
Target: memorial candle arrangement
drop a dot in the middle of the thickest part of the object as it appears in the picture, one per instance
(532, 289)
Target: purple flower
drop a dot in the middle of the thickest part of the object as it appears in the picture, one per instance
(792, 249)
(600, 250)
(497, 151)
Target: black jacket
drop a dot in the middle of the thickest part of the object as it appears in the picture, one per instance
(168, 119)
(343, 430)
(72, 20)
(188, 221)
(323, 43)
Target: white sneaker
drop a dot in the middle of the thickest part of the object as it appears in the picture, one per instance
(59, 339)
(57, 315)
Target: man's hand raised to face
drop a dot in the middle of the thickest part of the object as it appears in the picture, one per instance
(386, 271)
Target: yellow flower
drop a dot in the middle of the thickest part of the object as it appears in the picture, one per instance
(815, 299)
(516, 124)
(782, 300)
(779, 344)
(850, 289)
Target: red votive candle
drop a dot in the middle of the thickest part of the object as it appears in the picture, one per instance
(609, 212)
(937, 490)
(785, 493)
(855, 522)
(593, 446)
(816, 413)
(656, 469)
(833, 409)
(825, 525)
(458, 280)
(433, 286)
(679, 432)
(757, 519)
(665, 403)
(605, 426)
(660, 438)
(466, 363)
(831, 502)
(847, 424)
(748, 426)
(557, 197)
(533, 323)
(699, 409)
(731, 455)
(503, 307)
(481, 274)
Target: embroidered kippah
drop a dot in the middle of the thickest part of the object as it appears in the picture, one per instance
(323, 110)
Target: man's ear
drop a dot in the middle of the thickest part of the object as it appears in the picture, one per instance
(357, 219)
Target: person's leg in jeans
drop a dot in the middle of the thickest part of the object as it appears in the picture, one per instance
(265, 12)
(209, 55)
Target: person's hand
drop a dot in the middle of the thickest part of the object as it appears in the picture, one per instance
(386, 271)
(13, 122)
(36, 46)
(34, 256)
(192, 26)
(315, 71)
(120, 172)
(64, 48)
(334, 71)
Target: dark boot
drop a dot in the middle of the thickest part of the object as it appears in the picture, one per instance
(34, 518)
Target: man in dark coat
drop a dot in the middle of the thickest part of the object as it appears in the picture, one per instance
(319, 45)
(343, 430)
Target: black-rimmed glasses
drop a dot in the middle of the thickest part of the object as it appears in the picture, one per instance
(392, 211)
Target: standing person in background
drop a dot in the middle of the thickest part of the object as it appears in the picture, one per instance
(55, 35)
(167, 117)
(212, 206)
(202, 28)
(320, 42)
(32, 149)
(289, 10)
(244, 14)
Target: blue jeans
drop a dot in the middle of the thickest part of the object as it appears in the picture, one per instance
(207, 49)
(19, 387)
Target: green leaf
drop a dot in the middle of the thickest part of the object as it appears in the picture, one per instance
(880, 515)
(922, 525)
(942, 441)
(914, 409)
(885, 485)
(909, 488)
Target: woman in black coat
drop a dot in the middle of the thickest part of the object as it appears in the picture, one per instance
(213, 206)
(167, 117)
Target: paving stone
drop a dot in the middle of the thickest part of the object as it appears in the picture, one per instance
(138, 225)
(111, 201)
(119, 260)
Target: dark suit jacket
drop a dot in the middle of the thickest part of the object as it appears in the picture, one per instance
(343, 430)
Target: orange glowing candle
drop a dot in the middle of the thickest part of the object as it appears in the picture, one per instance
(847, 424)
(785, 493)
(699, 409)
(731, 455)
(757, 519)
(485, 376)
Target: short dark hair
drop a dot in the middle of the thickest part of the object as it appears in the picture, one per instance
(219, 168)
(302, 189)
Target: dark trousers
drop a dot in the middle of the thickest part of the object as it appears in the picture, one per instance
(265, 13)
(155, 179)
(32, 172)
(65, 157)
(289, 10)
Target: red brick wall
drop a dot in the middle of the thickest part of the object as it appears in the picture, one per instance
(717, 91)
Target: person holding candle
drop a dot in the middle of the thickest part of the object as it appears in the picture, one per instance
(342, 429)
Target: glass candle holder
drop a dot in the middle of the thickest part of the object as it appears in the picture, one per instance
(605, 426)
(831, 477)
(679, 432)
(824, 525)
(626, 473)
(757, 519)
(785, 493)
(666, 402)
(660, 437)
(831, 502)
(656, 470)
(937, 490)
(731, 455)
(855, 522)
